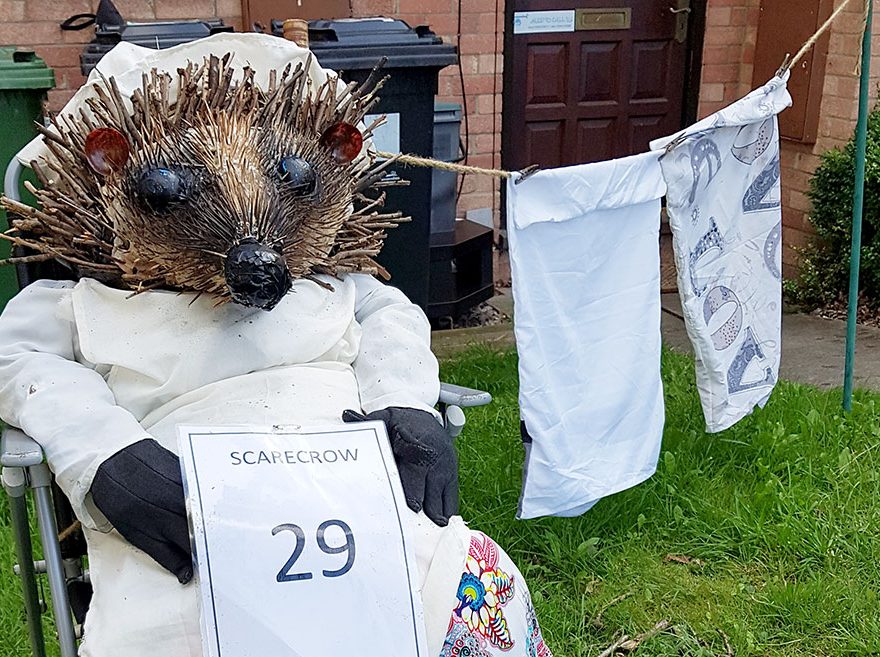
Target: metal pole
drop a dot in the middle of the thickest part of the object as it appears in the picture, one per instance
(858, 205)
(41, 481)
(15, 483)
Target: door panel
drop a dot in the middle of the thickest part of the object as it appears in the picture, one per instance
(544, 140)
(599, 73)
(592, 94)
(543, 88)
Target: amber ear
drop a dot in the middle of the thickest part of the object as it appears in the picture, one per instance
(106, 150)
(344, 142)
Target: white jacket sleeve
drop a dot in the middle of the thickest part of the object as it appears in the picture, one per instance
(395, 365)
(64, 405)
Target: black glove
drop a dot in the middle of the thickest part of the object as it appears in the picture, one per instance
(140, 491)
(425, 457)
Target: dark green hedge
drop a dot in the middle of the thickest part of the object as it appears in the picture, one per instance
(824, 275)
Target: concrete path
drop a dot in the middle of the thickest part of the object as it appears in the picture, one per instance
(812, 347)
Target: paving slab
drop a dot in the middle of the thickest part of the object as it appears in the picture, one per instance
(812, 347)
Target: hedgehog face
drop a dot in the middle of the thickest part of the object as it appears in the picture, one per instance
(228, 186)
(230, 190)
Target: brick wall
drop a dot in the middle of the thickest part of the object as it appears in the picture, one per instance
(728, 52)
(481, 63)
(34, 24)
(731, 33)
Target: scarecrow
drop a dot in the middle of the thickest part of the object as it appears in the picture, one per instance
(213, 205)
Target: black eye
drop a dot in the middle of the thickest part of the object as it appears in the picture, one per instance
(159, 188)
(297, 175)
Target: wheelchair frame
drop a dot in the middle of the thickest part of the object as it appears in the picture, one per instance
(24, 468)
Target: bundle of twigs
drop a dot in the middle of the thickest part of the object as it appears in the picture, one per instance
(226, 135)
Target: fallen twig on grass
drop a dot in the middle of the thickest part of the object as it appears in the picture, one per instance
(684, 560)
(610, 650)
(597, 619)
(728, 649)
(635, 642)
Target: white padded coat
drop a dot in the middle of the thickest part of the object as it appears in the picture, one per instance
(87, 370)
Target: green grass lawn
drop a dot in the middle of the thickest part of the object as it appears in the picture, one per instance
(774, 526)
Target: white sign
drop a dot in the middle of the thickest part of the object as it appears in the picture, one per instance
(537, 22)
(301, 541)
(386, 137)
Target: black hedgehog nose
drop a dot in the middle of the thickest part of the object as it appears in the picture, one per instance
(256, 275)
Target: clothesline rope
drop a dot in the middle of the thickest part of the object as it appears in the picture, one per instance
(418, 161)
(818, 35)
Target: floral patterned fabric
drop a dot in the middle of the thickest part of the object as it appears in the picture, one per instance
(493, 613)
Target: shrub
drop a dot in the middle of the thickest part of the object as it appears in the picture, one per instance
(824, 275)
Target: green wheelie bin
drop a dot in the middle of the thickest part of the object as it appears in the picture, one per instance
(24, 81)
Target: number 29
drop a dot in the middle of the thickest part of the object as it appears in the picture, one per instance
(284, 575)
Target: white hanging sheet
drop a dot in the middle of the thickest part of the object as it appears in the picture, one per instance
(584, 247)
(724, 209)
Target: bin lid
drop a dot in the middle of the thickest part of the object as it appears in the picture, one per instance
(22, 69)
(352, 44)
(447, 112)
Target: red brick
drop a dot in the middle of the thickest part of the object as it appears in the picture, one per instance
(489, 63)
(12, 10)
(721, 73)
(443, 24)
(486, 104)
(139, 9)
(227, 8)
(850, 23)
(724, 36)
(842, 64)
(470, 63)
(845, 86)
(58, 98)
(425, 7)
(842, 108)
(480, 6)
(71, 76)
(717, 16)
(71, 36)
(476, 200)
(717, 55)
(483, 160)
(60, 56)
(477, 44)
(448, 86)
(487, 23)
(711, 93)
(365, 8)
(173, 9)
(799, 201)
(484, 123)
(739, 16)
(481, 84)
(57, 10)
(484, 143)
(25, 34)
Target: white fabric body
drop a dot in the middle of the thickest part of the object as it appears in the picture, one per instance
(87, 370)
(726, 218)
(584, 246)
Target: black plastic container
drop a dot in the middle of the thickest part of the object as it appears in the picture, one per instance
(157, 35)
(415, 57)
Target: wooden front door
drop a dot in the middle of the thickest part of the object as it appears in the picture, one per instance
(592, 94)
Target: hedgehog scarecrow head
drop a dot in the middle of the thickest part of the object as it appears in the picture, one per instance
(213, 176)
